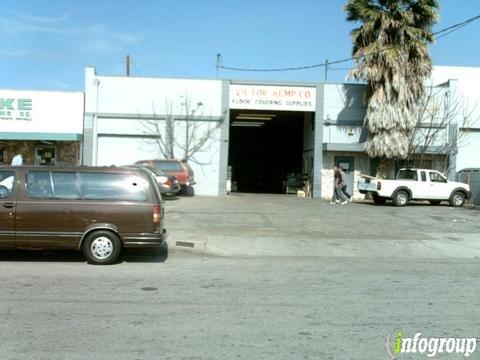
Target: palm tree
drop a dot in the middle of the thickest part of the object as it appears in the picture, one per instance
(391, 52)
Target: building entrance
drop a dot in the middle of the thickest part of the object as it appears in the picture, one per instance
(266, 148)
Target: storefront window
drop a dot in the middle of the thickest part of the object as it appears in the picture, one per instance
(45, 156)
(2, 156)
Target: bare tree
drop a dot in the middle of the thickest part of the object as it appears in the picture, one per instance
(441, 115)
(183, 136)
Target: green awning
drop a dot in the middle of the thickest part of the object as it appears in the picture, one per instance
(40, 136)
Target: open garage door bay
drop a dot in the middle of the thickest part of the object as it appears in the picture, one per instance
(271, 136)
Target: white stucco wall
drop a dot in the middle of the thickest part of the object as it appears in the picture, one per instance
(122, 106)
(466, 89)
(345, 109)
(138, 95)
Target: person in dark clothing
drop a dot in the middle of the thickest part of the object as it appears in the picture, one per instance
(344, 187)
(338, 195)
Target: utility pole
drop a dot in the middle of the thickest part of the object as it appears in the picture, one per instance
(326, 71)
(127, 63)
(219, 59)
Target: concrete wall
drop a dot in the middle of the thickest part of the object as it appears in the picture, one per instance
(362, 166)
(344, 114)
(308, 143)
(465, 89)
(138, 96)
(120, 113)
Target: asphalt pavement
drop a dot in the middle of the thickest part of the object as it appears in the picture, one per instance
(344, 278)
(187, 305)
(283, 225)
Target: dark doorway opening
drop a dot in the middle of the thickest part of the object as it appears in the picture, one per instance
(264, 148)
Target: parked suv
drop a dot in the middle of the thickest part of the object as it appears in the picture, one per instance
(167, 184)
(180, 169)
(97, 210)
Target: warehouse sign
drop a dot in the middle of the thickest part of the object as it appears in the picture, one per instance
(15, 109)
(258, 97)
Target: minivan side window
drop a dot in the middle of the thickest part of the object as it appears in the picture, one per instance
(65, 185)
(6, 183)
(113, 186)
(39, 184)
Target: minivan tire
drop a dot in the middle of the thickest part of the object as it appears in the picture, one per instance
(102, 247)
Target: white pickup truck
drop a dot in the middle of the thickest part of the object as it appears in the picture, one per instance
(415, 184)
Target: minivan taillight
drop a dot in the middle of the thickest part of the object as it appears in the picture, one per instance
(157, 214)
(379, 185)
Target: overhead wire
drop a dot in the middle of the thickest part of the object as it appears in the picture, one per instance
(444, 32)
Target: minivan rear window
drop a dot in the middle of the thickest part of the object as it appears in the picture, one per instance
(113, 186)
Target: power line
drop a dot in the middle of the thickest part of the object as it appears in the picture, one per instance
(166, 69)
(444, 32)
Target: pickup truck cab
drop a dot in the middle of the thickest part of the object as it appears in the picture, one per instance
(416, 184)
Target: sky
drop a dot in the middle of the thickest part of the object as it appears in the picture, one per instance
(46, 44)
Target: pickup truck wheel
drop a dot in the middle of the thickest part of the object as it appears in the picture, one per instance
(379, 200)
(435, 202)
(457, 199)
(400, 198)
(102, 247)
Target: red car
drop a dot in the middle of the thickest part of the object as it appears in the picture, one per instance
(180, 169)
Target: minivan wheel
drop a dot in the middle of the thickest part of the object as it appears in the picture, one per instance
(457, 199)
(101, 247)
(400, 198)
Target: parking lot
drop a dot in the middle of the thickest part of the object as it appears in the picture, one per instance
(253, 224)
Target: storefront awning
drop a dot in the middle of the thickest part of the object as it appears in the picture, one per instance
(40, 136)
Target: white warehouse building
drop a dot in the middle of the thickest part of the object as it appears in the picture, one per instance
(251, 134)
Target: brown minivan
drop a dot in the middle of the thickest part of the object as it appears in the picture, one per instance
(98, 210)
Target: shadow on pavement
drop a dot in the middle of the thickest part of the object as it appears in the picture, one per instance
(41, 256)
(145, 256)
(410, 204)
(127, 255)
(189, 191)
(170, 197)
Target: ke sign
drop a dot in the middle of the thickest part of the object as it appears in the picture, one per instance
(43, 112)
(15, 109)
(287, 98)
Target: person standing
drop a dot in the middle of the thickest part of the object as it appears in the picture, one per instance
(344, 186)
(17, 160)
(338, 195)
